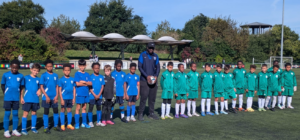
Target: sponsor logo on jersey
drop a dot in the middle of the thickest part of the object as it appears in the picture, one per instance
(29, 80)
(54, 78)
(100, 79)
(135, 78)
(71, 82)
(154, 58)
(8, 77)
(18, 79)
(37, 81)
(122, 75)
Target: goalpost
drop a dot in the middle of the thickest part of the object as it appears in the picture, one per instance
(269, 61)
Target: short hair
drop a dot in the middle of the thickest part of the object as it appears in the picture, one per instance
(207, 64)
(219, 65)
(81, 62)
(264, 65)
(179, 65)
(227, 67)
(288, 64)
(240, 61)
(15, 61)
(48, 61)
(193, 64)
(170, 64)
(36, 66)
(132, 65)
(66, 65)
(253, 66)
(275, 61)
(107, 67)
(118, 61)
(276, 66)
(96, 63)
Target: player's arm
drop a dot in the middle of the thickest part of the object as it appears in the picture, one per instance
(89, 83)
(125, 91)
(138, 87)
(246, 83)
(74, 94)
(175, 85)
(3, 82)
(56, 97)
(92, 91)
(60, 96)
(157, 64)
(101, 91)
(162, 81)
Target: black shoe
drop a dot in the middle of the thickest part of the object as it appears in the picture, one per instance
(153, 116)
(124, 120)
(140, 117)
(234, 110)
(47, 131)
(57, 128)
(266, 108)
(227, 111)
(272, 109)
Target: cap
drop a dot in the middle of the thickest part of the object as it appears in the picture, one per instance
(151, 45)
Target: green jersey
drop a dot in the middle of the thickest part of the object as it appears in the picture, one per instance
(218, 82)
(262, 81)
(206, 81)
(228, 82)
(180, 83)
(274, 81)
(288, 79)
(193, 80)
(251, 81)
(239, 77)
(167, 81)
(271, 70)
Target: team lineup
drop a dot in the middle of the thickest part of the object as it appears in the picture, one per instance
(116, 86)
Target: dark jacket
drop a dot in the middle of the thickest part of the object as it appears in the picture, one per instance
(148, 65)
(109, 88)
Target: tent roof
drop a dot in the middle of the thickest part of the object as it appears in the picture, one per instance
(257, 24)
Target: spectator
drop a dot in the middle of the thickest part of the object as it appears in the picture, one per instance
(91, 58)
(96, 58)
(20, 57)
(223, 63)
(130, 59)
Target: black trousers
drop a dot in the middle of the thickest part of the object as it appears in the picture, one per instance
(147, 91)
(106, 110)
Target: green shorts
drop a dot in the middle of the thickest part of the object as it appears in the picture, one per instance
(206, 94)
(167, 95)
(262, 92)
(288, 92)
(181, 97)
(240, 91)
(250, 93)
(272, 93)
(193, 94)
(229, 95)
(219, 94)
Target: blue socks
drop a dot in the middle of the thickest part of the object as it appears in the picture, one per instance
(55, 118)
(132, 110)
(24, 123)
(62, 118)
(33, 121)
(15, 119)
(90, 115)
(111, 114)
(45, 118)
(99, 113)
(69, 116)
(83, 115)
(122, 109)
(6, 120)
(76, 116)
(128, 111)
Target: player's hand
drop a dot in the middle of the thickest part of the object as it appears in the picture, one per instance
(234, 90)
(295, 88)
(22, 101)
(124, 97)
(176, 94)
(62, 102)
(83, 82)
(149, 79)
(247, 90)
(279, 93)
(38, 93)
(155, 79)
(187, 94)
(97, 97)
(47, 100)
(255, 92)
(127, 97)
(73, 102)
(55, 100)
(137, 97)
(281, 87)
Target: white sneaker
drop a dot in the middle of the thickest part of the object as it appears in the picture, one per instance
(195, 114)
(283, 107)
(132, 118)
(128, 119)
(190, 115)
(100, 124)
(91, 124)
(7, 134)
(16, 133)
(279, 106)
(291, 107)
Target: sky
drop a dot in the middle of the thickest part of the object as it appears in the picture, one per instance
(178, 12)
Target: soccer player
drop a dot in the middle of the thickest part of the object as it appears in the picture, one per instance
(96, 94)
(229, 90)
(167, 86)
(262, 87)
(206, 83)
(181, 89)
(274, 81)
(11, 85)
(108, 95)
(193, 82)
(83, 81)
(250, 87)
(49, 88)
(219, 89)
(119, 76)
(67, 92)
(239, 80)
(30, 98)
(289, 85)
(132, 91)
(276, 62)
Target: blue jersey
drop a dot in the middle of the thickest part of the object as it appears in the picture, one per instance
(82, 90)
(32, 85)
(97, 82)
(132, 81)
(67, 85)
(50, 81)
(120, 79)
(12, 84)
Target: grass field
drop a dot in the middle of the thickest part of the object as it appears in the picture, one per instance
(281, 124)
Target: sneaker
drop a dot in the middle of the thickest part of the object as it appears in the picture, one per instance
(33, 130)
(140, 117)
(272, 109)
(91, 124)
(203, 114)
(234, 110)
(132, 119)
(47, 130)
(263, 109)
(124, 120)
(176, 116)
(168, 116)
(57, 129)
(183, 116)
(16, 133)
(226, 110)
(128, 119)
(252, 110)
(100, 124)
(153, 116)
(24, 132)
(283, 107)
(7, 134)
(190, 115)
(260, 109)
(241, 109)
(223, 112)
(84, 125)
(216, 112)
(110, 122)
(291, 107)
(104, 122)
(195, 114)
(266, 108)
(70, 127)
(279, 106)
(62, 127)
(162, 117)
(209, 113)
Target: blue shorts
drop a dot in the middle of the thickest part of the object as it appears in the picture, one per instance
(11, 105)
(132, 98)
(68, 104)
(50, 105)
(82, 99)
(31, 106)
(119, 100)
(96, 102)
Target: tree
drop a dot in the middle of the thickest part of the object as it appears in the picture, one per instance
(65, 24)
(23, 15)
(8, 39)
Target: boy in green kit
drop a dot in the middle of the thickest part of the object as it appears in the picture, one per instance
(250, 87)
(166, 83)
(181, 91)
(229, 89)
(280, 71)
(193, 80)
(289, 85)
(219, 89)
(206, 83)
(274, 81)
(262, 87)
(239, 78)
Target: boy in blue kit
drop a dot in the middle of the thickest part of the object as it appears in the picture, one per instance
(49, 88)
(67, 91)
(96, 94)
(119, 76)
(30, 98)
(11, 85)
(82, 80)
(132, 91)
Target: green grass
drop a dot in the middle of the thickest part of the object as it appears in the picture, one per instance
(281, 124)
